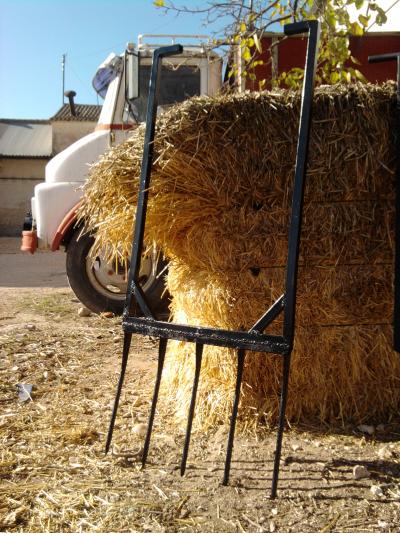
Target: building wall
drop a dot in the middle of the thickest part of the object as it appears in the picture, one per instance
(18, 176)
(30, 168)
(67, 132)
(15, 197)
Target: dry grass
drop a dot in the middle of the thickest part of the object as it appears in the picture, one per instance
(54, 475)
(219, 204)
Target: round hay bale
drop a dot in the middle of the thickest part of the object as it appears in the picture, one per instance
(219, 205)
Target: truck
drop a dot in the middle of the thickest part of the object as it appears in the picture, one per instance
(122, 80)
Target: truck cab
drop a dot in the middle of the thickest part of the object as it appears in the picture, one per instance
(123, 81)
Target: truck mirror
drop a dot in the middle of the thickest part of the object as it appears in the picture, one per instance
(132, 75)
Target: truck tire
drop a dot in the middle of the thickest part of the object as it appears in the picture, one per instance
(101, 286)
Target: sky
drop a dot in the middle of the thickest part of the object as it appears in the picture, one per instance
(34, 35)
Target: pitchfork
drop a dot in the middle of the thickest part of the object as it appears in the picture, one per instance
(253, 340)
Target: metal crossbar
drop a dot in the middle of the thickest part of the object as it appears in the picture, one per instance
(253, 340)
(396, 307)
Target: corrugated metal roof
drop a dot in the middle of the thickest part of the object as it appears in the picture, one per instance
(25, 138)
(87, 113)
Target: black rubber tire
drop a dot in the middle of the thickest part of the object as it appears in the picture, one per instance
(98, 301)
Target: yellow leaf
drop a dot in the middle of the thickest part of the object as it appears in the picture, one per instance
(346, 77)
(243, 27)
(335, 77)
(363, 20)
(360, 75)
(356, 29)
(246, 55)
(159, 3)
(355, 60)
(257, 43)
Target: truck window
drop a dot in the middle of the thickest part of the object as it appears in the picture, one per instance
(175, 86)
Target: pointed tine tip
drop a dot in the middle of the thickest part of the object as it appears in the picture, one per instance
(109, 439)
(184, 458)
(146, 445)
(145, 452)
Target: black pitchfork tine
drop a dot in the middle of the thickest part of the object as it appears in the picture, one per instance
(281, 423)
(134, 289)
(241, 355)
(199, 356)
(161, 357)
(125, 354)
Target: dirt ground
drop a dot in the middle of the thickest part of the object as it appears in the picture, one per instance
(54, 475)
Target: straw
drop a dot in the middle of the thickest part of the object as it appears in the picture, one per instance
(219, 208)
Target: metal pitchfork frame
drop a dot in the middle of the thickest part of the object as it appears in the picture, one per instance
(254, 339)
(396, 307)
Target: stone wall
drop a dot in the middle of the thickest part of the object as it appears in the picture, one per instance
(18, 177)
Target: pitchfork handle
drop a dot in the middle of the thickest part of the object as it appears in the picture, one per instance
(300, 27)
(168, 50)
(383, 57)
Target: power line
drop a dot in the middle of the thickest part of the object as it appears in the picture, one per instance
(387, 10)
(63, 77)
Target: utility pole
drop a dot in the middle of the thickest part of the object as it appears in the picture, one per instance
(63, 77)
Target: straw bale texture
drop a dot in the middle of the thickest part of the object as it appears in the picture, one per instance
(342, 295)
(218, 207)
(338, 374)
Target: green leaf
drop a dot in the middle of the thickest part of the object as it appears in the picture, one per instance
(356, 29)
(364, 20)
(381, 18)
(346, 77)
(335, 77)
(360, 76)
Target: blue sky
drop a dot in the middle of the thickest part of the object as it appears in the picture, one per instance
(34, 34)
